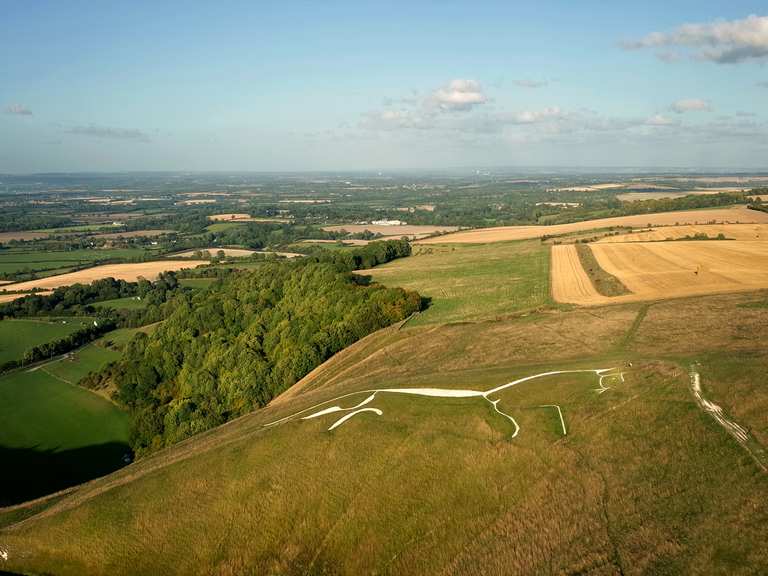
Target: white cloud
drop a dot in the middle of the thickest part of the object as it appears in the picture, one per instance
(690, 105)
(459, 95)
(659, 120)
(722, 41)
(531, 83)
(534, 116)
(18, 110)
(108, 133)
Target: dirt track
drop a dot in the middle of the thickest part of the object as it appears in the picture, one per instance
(738, 214)
(127, 272)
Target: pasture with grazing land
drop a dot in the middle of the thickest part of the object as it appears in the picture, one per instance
(18, 336)
(470, 283)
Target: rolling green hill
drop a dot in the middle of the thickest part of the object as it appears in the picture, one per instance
(636, 478)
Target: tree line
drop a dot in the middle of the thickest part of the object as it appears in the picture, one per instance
(230, 349)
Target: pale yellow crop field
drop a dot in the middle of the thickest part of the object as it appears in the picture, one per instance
(660, 270)
(128, 272)
(736, 214)
(730, 231)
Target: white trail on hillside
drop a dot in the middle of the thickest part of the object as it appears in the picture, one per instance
(602, 373)
(738, 432)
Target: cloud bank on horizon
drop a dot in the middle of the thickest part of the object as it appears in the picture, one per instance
(533, 92)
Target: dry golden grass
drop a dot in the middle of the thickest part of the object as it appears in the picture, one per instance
(128, 272)
(739, 214)
(730, 231)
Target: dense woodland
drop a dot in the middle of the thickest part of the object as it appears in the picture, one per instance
(226, 350)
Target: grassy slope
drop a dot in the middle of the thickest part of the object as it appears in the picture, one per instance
(473, 282)
(644, 482)
(18, 336)
(129, 303)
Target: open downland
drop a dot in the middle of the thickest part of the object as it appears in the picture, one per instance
(128, 272)
(738, 214)
(440, 485)
(658, 270)
(470, 283)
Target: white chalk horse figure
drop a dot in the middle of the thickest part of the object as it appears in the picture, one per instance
(362, 407)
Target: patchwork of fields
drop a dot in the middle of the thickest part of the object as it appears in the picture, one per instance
(738, 214)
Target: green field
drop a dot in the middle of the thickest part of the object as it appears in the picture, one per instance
(128, 303)
(472, 282)
(18, 336)
(55, 434)
(221, 226)
(18, 260)
(196, 282)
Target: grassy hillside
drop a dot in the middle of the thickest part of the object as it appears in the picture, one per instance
(129, 303)
(442, 485)
(473, 282)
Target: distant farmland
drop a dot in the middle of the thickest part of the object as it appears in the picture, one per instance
(129, 272)
(738, 214)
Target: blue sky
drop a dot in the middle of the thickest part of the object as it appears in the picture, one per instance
(398, 85)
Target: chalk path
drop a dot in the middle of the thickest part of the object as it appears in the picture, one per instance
(738, 432)
(602, 374)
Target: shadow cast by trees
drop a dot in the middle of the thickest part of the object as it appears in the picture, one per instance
(29, 473)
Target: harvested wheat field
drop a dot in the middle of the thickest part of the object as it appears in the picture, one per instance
(128, 272)
(659, 270)
(397, 231)
(738, 214)
(11, 297)
(234, 217)
(228, 252)
(569, 281)
(730, 231)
